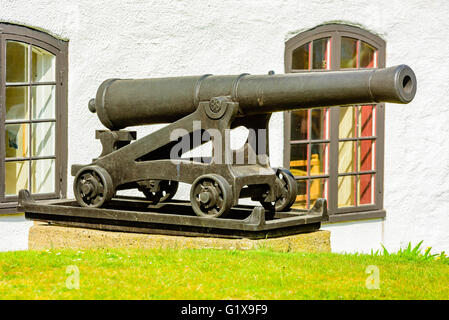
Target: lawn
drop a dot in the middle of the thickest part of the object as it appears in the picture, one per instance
(216, 274)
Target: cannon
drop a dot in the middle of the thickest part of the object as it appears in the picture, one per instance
(205, 108)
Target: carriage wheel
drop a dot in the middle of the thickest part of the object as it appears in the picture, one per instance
(167, 190)
(93, 187)
(287, 191)
(211, 196)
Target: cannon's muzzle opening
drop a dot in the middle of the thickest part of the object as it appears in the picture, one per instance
(399, 88)
(407, 84)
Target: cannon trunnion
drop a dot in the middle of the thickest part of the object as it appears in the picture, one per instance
(205, 108)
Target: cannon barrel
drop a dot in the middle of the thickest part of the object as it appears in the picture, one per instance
(120, 103)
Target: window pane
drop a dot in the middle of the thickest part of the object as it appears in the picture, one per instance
(43, 65)
(321, 53)
(319, 124)
(298, 159)
(301, 198)
(366, 189)
(43, 102)
(299, 125)
(43, 139)
(348, 53)
(16, 140)
(367, 56)
(318, 160)
(346, 128)
(16, 103)
(16, 177)
(366, 155)
(346, 191)
(346, 153)
(16, 62)
(43, 176)
(300, 57)
(318, 189)
(366, 121)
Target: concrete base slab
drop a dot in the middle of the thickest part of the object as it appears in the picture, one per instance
(44, 236)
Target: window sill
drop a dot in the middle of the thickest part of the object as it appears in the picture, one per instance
(11, 207)
(344, 217)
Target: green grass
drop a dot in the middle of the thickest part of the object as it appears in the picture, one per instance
(217, 274)
(414, 253)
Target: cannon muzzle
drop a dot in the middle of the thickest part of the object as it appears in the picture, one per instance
(120, 103)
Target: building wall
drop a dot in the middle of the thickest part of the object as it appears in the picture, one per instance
(135, 39)
(14, 232)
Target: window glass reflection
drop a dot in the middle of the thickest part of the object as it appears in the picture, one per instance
(43, 65)
(321, 53)
(346, 155)
(300, 57)
(43, 102)
(16, 103)
(16, 177)
(43, 176)
(366, 189)
(367, 56)
(347, 128)
(16, 61)
(298, 159)
(346, 191)
(16, 140)
(366, 121)
(348, 53)
(299, 125)
(319, 124)
(366, 155)
(43, 139)
(301, 198)
(318, 165)
(318, 189)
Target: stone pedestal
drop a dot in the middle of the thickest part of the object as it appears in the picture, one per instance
(43, 236)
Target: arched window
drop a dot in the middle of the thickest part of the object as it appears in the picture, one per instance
(33, 100)
(337, 153)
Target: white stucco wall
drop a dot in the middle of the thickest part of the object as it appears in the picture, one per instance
(172, 38)
(356, 236)
(14, 232)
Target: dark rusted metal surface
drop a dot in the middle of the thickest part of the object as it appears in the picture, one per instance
(212, 105)
(122, 103)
